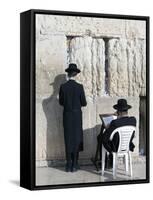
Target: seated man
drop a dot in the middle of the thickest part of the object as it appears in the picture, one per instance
(122, 120)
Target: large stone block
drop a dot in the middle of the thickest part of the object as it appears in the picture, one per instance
(89, 129)
(49, 129)
(103, 27)
(50, 134)
(51, 59)
(89, 54)
(110, 53)
(41, 130)
(126, 66)
(135, 29)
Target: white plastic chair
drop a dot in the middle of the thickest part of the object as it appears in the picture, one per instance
(125, 133)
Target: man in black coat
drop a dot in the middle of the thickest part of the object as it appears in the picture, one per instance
(72, 97)
(122, 120)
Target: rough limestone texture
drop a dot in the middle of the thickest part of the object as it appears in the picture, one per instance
(89, 54)
(50, 62)
(96, 27)
(127, 69)
(111, 56)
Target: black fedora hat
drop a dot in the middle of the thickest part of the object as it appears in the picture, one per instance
(122, 105)
(72, 68)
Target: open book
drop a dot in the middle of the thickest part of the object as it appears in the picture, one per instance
(107, 118)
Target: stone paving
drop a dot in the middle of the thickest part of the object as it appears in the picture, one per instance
(86, 174)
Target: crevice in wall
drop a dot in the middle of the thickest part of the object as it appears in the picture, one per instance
(142, 126)
(69, 38)
(106, 65)
(106, 40)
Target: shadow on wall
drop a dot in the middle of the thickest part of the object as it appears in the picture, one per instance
(90, 142)
(53, 112)
(88, 153)
(55, 147)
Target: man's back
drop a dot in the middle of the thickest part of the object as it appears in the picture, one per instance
(122, 121)
(72, 96)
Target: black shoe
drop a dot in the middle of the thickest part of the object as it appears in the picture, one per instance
(73, 169)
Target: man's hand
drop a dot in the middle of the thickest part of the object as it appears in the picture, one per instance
(107, 126)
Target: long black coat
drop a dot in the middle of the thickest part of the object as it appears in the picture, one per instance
(113, 145)
(72, 97)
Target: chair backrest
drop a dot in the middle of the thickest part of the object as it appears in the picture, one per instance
(125, 134)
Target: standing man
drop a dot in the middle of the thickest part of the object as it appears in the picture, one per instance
(72, 98)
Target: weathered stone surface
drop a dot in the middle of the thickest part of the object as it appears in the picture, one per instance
(50, 140)
(117, 68)
(89, 55)
(136, 67)
(41, 130)
(117, 63)
(51, 59)
(126, 67)
(79, 26)
(135, 29)
(89, 130)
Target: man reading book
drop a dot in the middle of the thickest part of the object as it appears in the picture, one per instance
(122, 120)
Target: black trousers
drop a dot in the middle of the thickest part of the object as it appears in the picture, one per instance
(72, 158)
(98, 156)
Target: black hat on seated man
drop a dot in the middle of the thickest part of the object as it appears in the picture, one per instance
(72, 68)
(122, 105)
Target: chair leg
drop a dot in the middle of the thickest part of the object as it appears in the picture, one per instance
(114, 165)
(130, 159)
(126, 164)
(103, 161)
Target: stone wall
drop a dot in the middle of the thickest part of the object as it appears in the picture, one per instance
(111, 56)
